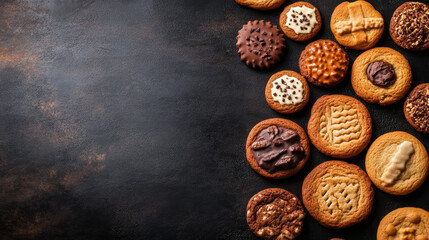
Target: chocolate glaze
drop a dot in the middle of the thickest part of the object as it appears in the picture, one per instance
(381, 73)
(277, 148)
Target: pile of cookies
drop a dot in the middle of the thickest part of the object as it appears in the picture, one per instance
(335, 193)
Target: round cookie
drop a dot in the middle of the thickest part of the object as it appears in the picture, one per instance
(264, 5)
(397, 163)
(260, 44)
(275, 213)
(287, 92)
(300, 21)
(277, 148)
(339, 126)
(416, 108)
(381, 75)
(357, 25)
(323, 63)
(409, 26)
(337, 194)
(404, 223)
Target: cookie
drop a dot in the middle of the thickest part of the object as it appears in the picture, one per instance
(260, 44)
(416, 108)
(264, 5)
(274, 214)
(381, 75)
(300, 21)
(397, 163)
(404, 223)
(323, 63)
(277, 148)
(337, 194)
(287, 92)
(357, 25)
(409, 26)
(339, 126)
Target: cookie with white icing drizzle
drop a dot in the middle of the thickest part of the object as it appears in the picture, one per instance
(300, 21)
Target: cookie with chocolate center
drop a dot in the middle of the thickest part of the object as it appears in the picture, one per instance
(416, 108)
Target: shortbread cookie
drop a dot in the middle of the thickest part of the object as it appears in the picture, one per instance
(339, 126)
(416, 108)
(404, 223)
(260, 44)
(357, 25)
(323, 63)
(287, 92)
(337, 194)
(409, 26)
(397, 163)
(300, 21)
(261, 4)
(274, 214)
(277, 148)
(381, 75)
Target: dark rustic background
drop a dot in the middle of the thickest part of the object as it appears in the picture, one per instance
(126, 119)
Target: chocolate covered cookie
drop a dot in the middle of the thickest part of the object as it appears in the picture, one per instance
(409, 26)
(260, 44)
(274, 214)
(300, 21)
(277, 148)
(261, 4)
(416, 108)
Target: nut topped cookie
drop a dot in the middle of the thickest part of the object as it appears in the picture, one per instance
(381, 75)
(416, 108)
(260, 44)
(357, 25)
(339, 126)
(277, 148)
(337, 194)
(409, 26)
(323, 63)
(275, 213)
(404, 223)
(300, 21)
(287, 92)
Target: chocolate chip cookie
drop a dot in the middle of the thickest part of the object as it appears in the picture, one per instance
(300, 21)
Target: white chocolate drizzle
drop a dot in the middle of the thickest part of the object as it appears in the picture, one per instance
(397, 164)
(287, 90)
(301, 19)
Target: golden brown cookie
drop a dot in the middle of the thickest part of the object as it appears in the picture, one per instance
(409, 26)
(339, 126)
(323, 63)
(277, 148)
(337, 194)
(381, 75)
(300, 21)
(287, 92)
(274, 214)
(397, 163)
(261, 4)
(416, 108)
(404, 223)
(357, 25)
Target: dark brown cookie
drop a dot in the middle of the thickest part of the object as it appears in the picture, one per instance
(409, 26)
(300, 21)
(416, 108)
(323, 63)
(277, 148)
(275, 213)
(260, 44)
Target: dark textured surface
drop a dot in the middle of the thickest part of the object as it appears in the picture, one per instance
(128, 120)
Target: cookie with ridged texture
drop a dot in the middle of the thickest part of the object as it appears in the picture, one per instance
(397, 163)
(337, 194)
(357, 25)
(323, 63)
(381, 75)
(263, 5)
(287, 92)
(409, 26)
(277, 148)
(300, 21)
(260, 44)
(404, 223)
(340, 126)
(416, 108)
(275, 213)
